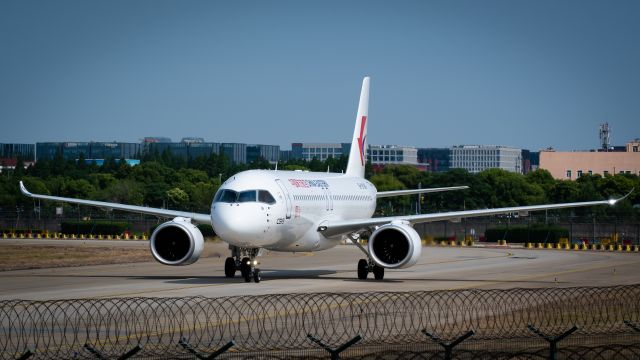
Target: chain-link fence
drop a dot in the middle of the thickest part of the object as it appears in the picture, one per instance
(486, 323)
(592, 230)
(589, 229)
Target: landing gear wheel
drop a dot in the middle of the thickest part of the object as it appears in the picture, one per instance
(256, 275)
(363, 269)
(230, 267)
(245, 269)
(378, 272)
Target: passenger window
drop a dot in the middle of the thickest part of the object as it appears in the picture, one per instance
(247, 196)
(266, 197)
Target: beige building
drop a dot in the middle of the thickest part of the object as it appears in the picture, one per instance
(572, 165)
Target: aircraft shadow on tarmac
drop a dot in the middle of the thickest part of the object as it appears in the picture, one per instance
(288, 274)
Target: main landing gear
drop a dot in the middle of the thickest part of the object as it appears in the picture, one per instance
(366, 266)
(245, 260)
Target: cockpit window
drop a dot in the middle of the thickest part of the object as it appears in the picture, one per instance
(230, 196)
(227, 196)
(247, 196)
(265, 197)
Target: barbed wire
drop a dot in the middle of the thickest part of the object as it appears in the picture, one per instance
(61, 328)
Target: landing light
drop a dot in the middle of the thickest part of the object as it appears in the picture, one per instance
(255, 262)
(612, 202)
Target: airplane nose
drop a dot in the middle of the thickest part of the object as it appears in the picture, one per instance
(240, 224)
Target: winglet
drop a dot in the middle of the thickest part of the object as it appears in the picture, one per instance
(615, 201)
(24, 190)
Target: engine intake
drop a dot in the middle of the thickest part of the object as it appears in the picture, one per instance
(177, 242)
(395, 246)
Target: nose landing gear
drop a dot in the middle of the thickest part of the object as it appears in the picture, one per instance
(243, 259)
(249, 270)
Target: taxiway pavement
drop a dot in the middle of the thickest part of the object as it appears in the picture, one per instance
(332, 270)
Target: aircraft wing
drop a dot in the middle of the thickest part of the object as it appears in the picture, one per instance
(165, 213)
(382, 194)
(341, 227)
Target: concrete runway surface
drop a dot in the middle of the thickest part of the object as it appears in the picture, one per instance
(333, 270)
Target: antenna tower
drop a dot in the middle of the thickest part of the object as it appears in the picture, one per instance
(605, 136)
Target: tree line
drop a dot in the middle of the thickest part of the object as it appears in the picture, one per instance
(169, 181)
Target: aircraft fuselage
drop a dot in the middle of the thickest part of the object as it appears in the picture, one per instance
(303, 202)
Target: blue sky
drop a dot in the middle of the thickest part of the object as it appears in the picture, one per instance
(529, 74)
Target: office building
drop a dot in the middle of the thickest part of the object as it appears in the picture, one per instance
(571, 165)
(235, 152)
(476, 158)
(381, 155)
(320, 151)
(9, 154)
(13, 151)
(434, 159)
(271, 153)
(89, 150)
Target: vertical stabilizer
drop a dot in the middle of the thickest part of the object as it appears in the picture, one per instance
(358, 152)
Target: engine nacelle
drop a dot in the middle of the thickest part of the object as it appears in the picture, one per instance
(177, 242)
(395, 245)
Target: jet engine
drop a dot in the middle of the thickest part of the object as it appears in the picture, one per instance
(177, 242)
(395, 245)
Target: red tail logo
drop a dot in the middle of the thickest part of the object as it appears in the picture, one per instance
(362, 139)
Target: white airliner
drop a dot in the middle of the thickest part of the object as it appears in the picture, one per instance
(301, 211)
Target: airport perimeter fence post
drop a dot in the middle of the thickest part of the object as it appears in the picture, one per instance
(448, 346)
(185, 344)
(124, 356)
(553, 341)
(335, 353)
(25, 355)
(632, 325)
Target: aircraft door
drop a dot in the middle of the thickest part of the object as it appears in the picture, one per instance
(287, 198)
(329, 199)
